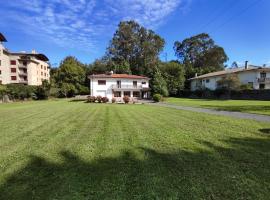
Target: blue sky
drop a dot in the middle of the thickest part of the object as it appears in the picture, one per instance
(83, 28)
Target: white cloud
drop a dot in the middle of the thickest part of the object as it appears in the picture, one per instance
(79, 24)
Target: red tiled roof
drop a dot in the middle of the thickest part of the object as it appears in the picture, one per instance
(117, 76)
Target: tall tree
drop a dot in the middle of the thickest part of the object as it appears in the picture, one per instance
(200, 54)
(159, 85)
(174, 75)
(136, 48)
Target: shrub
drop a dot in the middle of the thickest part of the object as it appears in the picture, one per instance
(91, 99)
(104, 99)
(157, 97)
(99, 99)
(126, 99)
(113, 100)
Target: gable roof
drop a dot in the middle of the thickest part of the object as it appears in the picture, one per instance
(2, 38)
(128, 76)
(231, 71)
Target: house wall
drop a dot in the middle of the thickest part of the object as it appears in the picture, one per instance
(106, 90)
(4, 67)
(244, 77)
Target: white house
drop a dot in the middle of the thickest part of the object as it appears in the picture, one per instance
(119, 85)
(257, 77)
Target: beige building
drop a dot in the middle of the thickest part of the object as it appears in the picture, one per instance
(25, 68)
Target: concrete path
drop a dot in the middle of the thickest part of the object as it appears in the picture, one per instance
(262, 118)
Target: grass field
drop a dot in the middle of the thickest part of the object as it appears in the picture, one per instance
(249, 106)
(73, 150)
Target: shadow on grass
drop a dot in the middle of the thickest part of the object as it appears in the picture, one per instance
(239, 171)
(265, 130)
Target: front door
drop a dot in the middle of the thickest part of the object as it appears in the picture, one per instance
(134, 84)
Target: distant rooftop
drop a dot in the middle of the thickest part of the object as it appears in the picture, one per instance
(128, 76)
(231, 71)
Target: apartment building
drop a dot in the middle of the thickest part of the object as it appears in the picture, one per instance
(24, 68)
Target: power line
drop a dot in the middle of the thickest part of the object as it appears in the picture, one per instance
(237, 15)
(222, 12)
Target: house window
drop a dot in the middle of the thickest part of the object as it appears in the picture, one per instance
(127, 93)
(263, 75)
(143, 83)
(117, 94)
(13, 62)
(24, 63)
(207, 80)
(41, 67)
(135, 84)
(101, 82)
(262, 86)
(13, 78)
(13, 70)
(41, 73)
(0, 72)
(136, 94)
(0, 62)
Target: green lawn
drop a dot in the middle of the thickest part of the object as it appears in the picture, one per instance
(249, 106)
(74, 150)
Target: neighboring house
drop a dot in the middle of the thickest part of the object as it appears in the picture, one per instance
(119, 85)
(257, 77)
(25, 68)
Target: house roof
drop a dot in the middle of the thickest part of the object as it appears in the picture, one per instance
(231, 71)
(2, 38)
(128, 76)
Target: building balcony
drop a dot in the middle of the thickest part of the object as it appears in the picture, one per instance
(22, 66)
(263, 80)
(22, 73)
(126, 87)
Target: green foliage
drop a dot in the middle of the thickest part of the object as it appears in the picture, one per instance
(229, 82)
(20, 91)
(159, 85)
(200, 54)
(174, 75)
(67, 90)
(42, 92)
(3, 91)
(134, 48)
(157, 97)
(246, 87)
(70, 77)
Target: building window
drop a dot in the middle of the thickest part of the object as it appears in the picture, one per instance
(127, 93)
(101, 82)
(44, 67)
(263, 75)
(136, 94)
(143, 83)
(13, 70)
(13, 62)
(13, 78)
(0, 62)
(117, 94)
(0, 72)
(135, 84)
(262, 86)
(41, 67)
(41, 73)
(207, 80)
(24, 63)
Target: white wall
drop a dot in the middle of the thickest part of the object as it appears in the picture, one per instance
(244, 77)
(106, 90)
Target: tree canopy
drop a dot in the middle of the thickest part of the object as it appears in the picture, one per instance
(134, 49)
(200, 54)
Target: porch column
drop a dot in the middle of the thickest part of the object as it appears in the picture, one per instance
(122, 94)
(131, 94)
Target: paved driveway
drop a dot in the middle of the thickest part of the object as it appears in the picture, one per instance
(262, 118)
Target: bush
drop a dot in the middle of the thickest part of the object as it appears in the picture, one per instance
(99, 99)
(126, 99)
(157, 97)
(113, 100)
(91, 99)
(104, 99)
